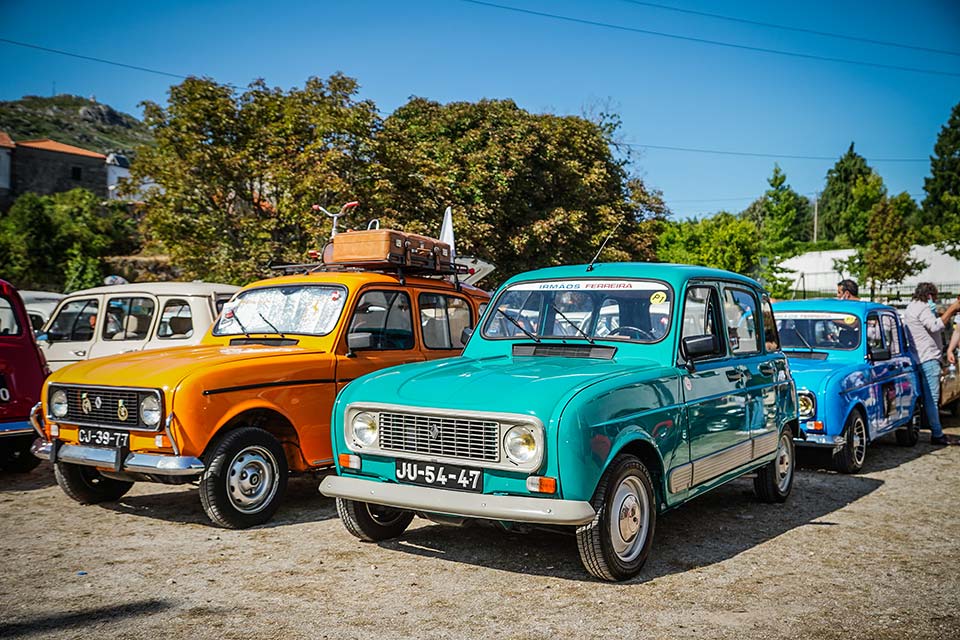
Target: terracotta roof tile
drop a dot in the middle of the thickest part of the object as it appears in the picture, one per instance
(6, 141)
(51, 145)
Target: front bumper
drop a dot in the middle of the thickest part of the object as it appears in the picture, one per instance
(459, 503)
(821, 440)
(118, 460)
(16, 428)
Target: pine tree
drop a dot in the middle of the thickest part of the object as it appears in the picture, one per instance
(838, 194)
(940, 218)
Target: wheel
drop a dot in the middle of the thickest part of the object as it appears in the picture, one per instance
(373, 522)
(775, 480)
(849, 459)
(86, 485)
(245, 478)
(909, 435)
(615, 545)
(15, 456)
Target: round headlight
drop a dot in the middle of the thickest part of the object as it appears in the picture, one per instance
(520, 444)
(150, 411)
(58, 403)
(365, 428)
(805, 404)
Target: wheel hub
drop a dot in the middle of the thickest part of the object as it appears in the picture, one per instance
(629, 518)
(252, 479)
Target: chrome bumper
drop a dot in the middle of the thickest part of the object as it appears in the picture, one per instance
(821, 440)
(18, 428)
(460, 503)
(149, 463)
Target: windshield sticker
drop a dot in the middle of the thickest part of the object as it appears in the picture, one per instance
(591, 285)
(658, 297)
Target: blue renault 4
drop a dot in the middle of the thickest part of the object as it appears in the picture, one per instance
(855, 378)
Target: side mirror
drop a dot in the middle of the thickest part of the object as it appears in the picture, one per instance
(698, 346)
(359, 341)
(879, 355)
(41, 336)
(465, 334)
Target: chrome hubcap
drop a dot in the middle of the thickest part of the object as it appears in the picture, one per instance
(629, 519)
(859, 441)
(252, 479)
(784, 464)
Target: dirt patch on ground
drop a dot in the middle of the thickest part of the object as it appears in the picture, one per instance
(872, 555)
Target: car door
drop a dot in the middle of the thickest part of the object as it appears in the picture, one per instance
(901, 388)
(70, 333)
(383, 318)
(127, 322)
(713, 387)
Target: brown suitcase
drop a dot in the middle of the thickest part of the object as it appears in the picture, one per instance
(377, 246)
(424, 251)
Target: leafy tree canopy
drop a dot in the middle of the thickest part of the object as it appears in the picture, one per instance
(940, 219)
(723, 241)
(886, 256)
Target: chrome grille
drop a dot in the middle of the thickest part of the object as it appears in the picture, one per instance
(441, 436)
(108, 413)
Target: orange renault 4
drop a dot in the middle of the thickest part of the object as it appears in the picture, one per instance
(252, 401)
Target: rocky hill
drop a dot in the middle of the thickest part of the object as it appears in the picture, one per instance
(73, 120)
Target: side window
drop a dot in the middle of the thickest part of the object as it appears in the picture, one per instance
(176, 321)
(890, 333)
(8, 319)
(740, 311)
(700, 316)
(128, 319)
(770, 336)
(75, 322)
(385, 315)
(442, 320)
(874, 335)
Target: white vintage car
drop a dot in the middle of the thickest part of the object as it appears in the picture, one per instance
(130, 317)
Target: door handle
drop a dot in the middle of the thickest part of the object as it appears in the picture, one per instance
(733, 375)
(767, 368)
(80, 353)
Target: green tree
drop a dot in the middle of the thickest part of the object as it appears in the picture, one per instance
(777, 223)
(236, 173)
(940, 218)
(723, 241)
(527, 190)
(886, 256)
(41, 235)
(838, 194)
(867, 193)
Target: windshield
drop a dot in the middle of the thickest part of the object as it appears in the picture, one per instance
(296, 309)
(625, 310)
(818, 330)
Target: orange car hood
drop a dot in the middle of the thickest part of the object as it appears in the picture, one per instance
(165, 368)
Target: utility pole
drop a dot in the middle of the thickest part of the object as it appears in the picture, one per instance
(816, 213)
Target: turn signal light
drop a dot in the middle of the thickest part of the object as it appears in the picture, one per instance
(349, 461)
(540, 484)
(161, 442)
(54, 430)
(816, 425)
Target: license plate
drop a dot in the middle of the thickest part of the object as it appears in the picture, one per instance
(104, 438)
(444, 476)
(4, 390)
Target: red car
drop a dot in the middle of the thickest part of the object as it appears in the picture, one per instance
(22, 370)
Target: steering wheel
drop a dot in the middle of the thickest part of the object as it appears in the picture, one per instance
(632, 332)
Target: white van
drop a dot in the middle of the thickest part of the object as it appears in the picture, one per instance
(130, 317)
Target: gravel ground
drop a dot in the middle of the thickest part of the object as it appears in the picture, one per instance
(872, 555)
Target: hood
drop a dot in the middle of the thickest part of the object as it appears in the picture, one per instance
(814, 374)
(525, 385)
(165, 368)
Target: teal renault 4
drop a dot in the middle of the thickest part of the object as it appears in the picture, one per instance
(590, 397)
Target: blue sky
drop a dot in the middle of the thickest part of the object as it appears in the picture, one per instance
(669, 92)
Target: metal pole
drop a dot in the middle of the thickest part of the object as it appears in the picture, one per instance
(816, 213)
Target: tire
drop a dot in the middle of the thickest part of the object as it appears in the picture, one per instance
(774, 481)
(86, 485)
(909, 435)
(615, 545)
(245, 478)
(850, 458)
(373, 522)
(15, 455)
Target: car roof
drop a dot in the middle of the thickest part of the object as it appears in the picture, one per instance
(40, 296)
(161, 288)
(858, 307)
(674, 274)
(355, 279)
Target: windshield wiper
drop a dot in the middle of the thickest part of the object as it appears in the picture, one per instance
(518, 325)
(570, 322)
(236, 317)
(804, 341)
(275, 330)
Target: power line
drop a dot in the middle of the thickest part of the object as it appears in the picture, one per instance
(784, 27)
(751, 154)
(617, 27)
(93, 59)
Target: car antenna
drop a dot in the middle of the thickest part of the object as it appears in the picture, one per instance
(599, 251)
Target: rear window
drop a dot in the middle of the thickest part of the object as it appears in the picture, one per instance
(9, 325)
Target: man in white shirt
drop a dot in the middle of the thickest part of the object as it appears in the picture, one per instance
(925, 327)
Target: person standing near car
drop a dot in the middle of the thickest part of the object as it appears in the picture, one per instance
(925, 327)
(848, 290)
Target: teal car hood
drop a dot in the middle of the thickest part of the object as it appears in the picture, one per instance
(525, 385)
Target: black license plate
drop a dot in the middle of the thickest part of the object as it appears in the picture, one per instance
(444, 476)
(4, 389)
(103, 438)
